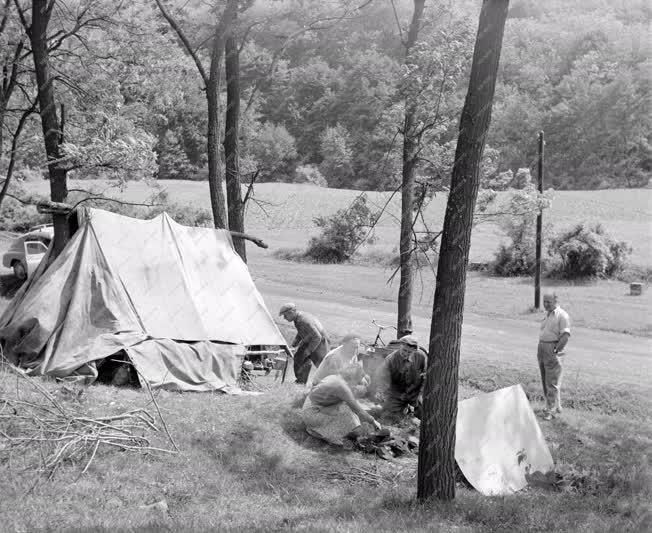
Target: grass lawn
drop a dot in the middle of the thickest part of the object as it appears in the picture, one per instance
(247, 465)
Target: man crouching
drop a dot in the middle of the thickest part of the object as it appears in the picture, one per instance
(401, 378)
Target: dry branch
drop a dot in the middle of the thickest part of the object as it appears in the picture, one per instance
(59, 208)
(36, 439)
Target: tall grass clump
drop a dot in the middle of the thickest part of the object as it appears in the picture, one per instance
(518, 257)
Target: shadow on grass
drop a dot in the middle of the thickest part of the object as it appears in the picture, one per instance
(295, 429)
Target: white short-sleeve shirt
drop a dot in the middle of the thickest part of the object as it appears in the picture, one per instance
(554, 324)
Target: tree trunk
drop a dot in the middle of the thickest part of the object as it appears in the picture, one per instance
(215, 176)
(2, 120)
(49, 120)
(231, 129)
(410, 151)
(436, 475)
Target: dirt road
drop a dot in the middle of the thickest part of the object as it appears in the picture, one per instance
(342, 301)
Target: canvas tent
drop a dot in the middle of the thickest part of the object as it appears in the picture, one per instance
(178, 300)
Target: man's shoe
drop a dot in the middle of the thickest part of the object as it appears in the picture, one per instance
(547, 415)
(558, 409)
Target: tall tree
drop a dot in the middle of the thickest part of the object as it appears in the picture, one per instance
(232, 126)
(410, 155)
(52, 135)
(436, 475)
(211, 82)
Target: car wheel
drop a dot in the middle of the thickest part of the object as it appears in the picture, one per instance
(19, 270)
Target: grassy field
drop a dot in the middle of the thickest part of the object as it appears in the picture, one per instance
(245, 464)
(285, 216)
(287, 224)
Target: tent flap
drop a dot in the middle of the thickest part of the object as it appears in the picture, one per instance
(199, 367)
(499, 442)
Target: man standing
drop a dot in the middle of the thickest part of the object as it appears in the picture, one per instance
(310, 342)
(555, 331)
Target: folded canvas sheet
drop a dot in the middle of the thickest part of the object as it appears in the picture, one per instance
(499, 442)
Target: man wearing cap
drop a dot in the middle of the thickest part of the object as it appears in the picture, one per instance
(338, 358)
(311, 342)
(553, 336)
(402, 376)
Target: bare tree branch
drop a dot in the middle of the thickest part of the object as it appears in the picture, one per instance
(5, 16)
(109, 199)
(14, 143)
(182, 36)
(9, 83)
(258, 242)
(398, 24)
(21, 15)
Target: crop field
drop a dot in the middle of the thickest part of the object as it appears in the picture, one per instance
(285, 212)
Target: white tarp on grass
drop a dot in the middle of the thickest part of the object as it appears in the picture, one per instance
(499, 442)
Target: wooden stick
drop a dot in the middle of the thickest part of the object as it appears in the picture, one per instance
(60, 208)
(258, 242)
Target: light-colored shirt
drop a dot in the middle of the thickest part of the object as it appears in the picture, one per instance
(333, 390)
(334, 361)
(554, 325)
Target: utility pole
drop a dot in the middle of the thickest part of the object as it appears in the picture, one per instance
(537, 272)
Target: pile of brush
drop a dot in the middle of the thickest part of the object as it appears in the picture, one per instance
(39, 433)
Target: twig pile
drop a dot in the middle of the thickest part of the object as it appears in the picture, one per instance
(39, 434)
(358, 475)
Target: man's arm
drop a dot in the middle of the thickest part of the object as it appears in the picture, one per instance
(564, 331)
(346, 395)
(296, 341)
(561, 343)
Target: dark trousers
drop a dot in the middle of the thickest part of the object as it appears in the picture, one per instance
(303, 360)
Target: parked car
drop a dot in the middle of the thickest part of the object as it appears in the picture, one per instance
(25, 252)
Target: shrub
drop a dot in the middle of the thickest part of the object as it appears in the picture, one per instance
(341, 233)
(17, 216)
(518, 258)
(587, 250)
(310, 174)
(185, 214)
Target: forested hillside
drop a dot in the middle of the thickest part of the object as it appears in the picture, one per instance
(323, 85)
